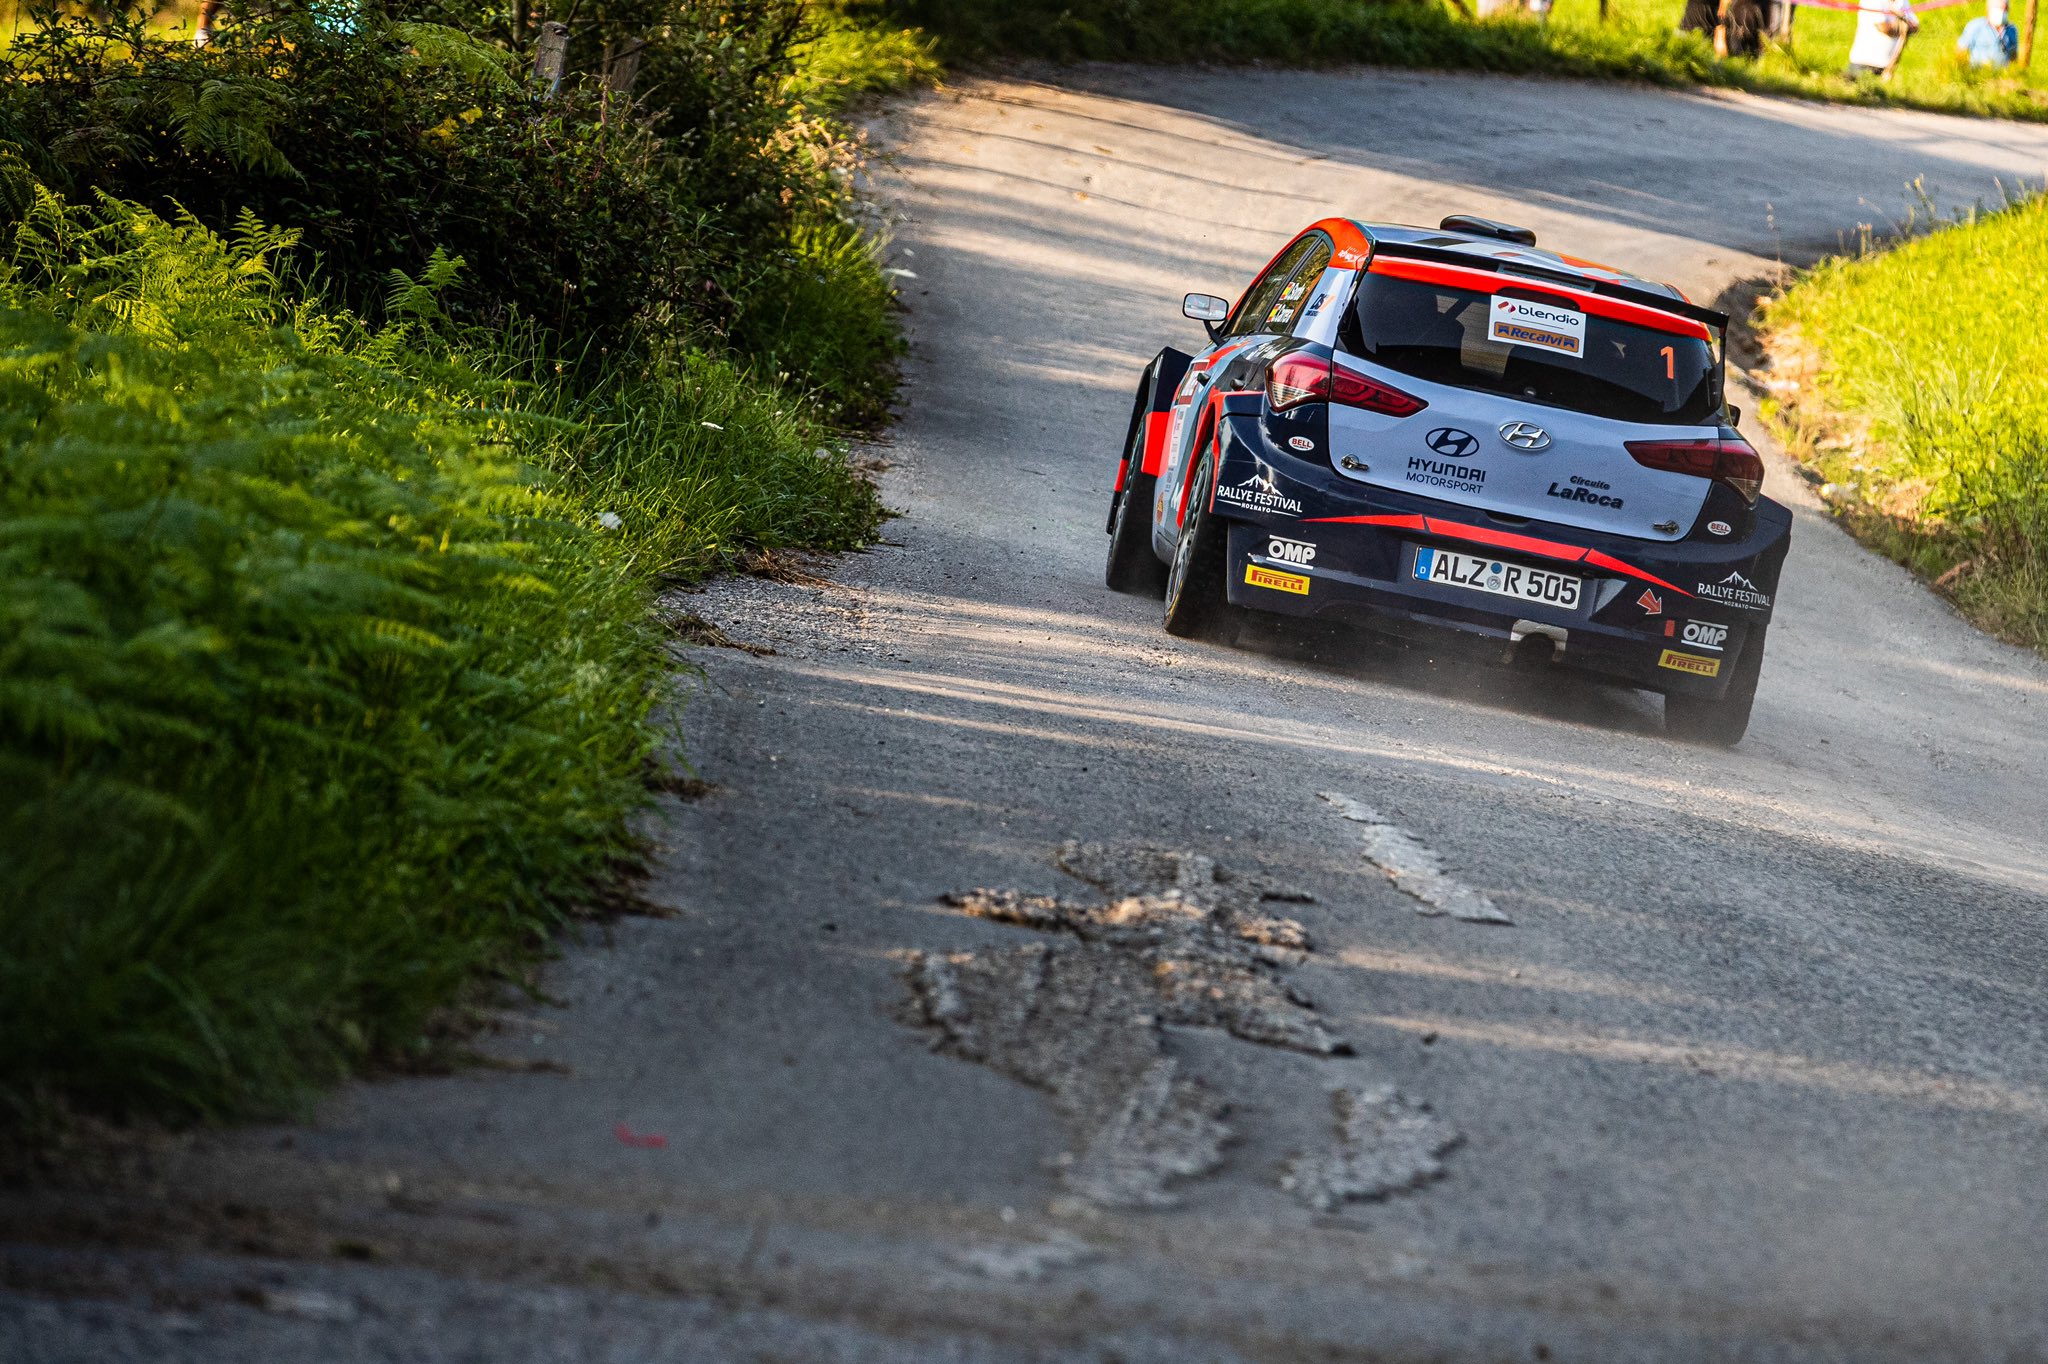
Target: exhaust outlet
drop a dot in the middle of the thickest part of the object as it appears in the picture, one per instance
(1534, 642)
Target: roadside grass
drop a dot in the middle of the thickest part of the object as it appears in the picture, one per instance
(849, 58)
(1915, 381)
(1638, 41)
(329, 675)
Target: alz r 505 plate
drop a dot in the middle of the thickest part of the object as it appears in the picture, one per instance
(1496, 577)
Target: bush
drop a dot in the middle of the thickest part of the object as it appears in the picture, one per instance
(321, 686)
(712, 209)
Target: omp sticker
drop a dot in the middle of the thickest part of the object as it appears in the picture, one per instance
(1520, 322)
(1703, 634)
(1290, 551)
(1689, 663)
(1282, 582)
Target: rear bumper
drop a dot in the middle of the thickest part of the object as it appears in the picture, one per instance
(1674, 617)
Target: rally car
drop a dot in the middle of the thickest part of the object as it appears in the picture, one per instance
(1407, 428)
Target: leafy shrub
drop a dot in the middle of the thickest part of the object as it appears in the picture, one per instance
(374, 152)
(696, 211)
(320, 686)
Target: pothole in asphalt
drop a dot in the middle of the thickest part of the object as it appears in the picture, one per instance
(1078, 1013)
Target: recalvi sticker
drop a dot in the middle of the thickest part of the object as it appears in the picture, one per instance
(1520, 322)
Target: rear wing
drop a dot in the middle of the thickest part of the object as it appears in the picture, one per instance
(1716, 322)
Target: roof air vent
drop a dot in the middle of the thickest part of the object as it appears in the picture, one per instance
(1487, 227)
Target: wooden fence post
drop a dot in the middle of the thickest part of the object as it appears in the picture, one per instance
(2027, 34)
(622, 68)
(551, 57)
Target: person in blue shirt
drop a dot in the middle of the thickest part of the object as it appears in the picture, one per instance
(1990, 39)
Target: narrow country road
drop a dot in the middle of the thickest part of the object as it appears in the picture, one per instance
(1759, 1069)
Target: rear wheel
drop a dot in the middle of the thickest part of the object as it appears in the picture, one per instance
(1197, 606)
(1720, 721)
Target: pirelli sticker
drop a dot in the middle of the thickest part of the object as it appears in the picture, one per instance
(1296, 583)
(1689, 663)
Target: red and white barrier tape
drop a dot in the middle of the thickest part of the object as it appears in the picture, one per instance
(1878, 9)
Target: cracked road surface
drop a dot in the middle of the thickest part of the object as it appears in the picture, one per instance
(1756, 1070)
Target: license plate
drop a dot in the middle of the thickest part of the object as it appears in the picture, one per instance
(1496, 576)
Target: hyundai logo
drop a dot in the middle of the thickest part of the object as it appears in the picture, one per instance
(1452, 443)
(1525, 436)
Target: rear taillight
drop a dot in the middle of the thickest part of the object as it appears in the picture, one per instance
(1303, 378)
(1727, 457)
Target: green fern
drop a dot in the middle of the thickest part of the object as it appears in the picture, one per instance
(294, 723)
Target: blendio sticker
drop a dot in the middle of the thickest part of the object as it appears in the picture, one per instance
(1290, 551)
(1445, 473)
(1588, 490)
(1519, 322)
(1280, 582)
(1257, 494)
(1733, 590)
(1689, 663)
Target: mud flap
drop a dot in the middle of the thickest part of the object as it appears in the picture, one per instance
(1151, 412)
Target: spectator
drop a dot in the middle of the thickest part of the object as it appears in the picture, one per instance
(1740, 32)
(1990, 39)
(1701, 17)
(1882, 30)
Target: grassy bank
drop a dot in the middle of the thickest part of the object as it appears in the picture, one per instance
(1636, 41)
(1916, 381)
(328, 676)
(328, 680)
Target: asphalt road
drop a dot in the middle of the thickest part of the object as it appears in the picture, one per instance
(1758, 1070)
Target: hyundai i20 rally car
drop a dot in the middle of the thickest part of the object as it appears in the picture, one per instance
(1404, 428)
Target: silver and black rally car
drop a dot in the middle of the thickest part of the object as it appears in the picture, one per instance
(1452, 429)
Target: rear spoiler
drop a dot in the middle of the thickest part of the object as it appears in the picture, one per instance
(1647, 298)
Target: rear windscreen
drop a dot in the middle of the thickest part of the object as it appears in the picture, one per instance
(1619, 370)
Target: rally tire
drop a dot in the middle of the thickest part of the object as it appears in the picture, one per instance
(1197, 604)
(1720, 722)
